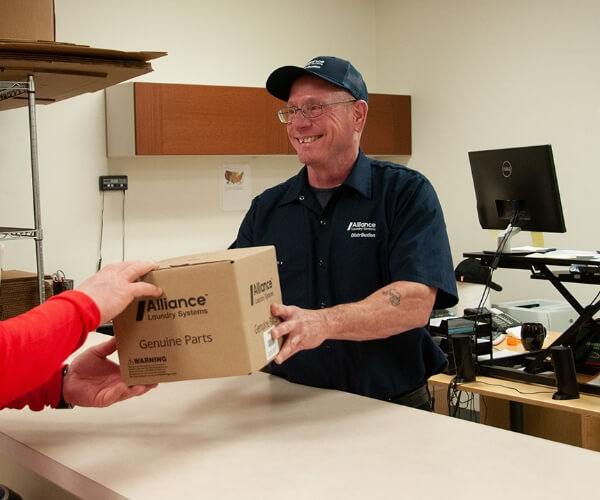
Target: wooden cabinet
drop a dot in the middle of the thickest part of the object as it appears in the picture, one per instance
(179, 119)
(388, 128)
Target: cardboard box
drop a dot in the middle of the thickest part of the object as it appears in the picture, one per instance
(19, 292)
(213, 319)
(27, 20)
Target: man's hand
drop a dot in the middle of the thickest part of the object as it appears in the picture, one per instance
(93, 380)
(305, 329)
(115, 286)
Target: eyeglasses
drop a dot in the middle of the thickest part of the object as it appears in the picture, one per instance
(286, 115)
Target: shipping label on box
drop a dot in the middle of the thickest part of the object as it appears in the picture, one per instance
(213, 319)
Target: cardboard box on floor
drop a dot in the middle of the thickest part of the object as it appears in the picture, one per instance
(27, 20)
(213, 319)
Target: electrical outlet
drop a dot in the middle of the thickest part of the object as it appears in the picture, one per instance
(113, 182)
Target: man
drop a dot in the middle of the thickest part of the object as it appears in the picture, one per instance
(361, 244)
(34, 345)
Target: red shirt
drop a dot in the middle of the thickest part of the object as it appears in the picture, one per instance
(34, 346)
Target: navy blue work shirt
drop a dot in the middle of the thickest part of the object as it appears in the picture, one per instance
(384, 223)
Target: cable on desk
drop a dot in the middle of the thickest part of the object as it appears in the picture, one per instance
(482, 397)
(456, 402)
(482, 400)
(505, 238)
(454, 394)
(515, 389)
(495, 260)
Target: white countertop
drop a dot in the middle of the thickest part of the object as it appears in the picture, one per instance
(260, 437)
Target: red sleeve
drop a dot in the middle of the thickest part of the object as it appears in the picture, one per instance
(47, 394)
(34, 345)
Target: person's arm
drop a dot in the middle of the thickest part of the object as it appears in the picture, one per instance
(47, 394)
(33, 345)
(90, 380)
(395, 308)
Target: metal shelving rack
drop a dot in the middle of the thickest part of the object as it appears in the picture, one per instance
(9, 90)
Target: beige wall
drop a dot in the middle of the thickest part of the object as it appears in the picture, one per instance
(487, 74)
(482, 74)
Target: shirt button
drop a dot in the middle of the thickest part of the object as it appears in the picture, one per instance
(320, 262)
(301, 197)
(323, 222)
(322, 305)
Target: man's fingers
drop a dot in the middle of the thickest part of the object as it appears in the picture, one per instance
(281, 311)
(282, 329)
(275, 309)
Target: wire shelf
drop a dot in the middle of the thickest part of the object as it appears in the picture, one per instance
(9, 90)
(17, 233)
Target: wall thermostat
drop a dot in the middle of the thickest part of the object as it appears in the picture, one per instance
(113, 182)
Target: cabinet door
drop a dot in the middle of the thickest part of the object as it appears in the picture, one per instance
(179, 119)
(174, 119)
(388, 127)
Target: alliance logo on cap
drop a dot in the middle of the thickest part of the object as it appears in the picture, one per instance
(315, 64)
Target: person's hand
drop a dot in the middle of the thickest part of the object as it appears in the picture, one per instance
(305, 329)
(115, 286)
(93, 380)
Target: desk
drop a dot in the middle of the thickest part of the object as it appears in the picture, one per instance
(539, 265)
(574, 421)
(260, 437)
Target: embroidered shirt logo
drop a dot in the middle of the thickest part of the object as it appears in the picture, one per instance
(362, 229)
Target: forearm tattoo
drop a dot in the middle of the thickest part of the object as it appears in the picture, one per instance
(394, 297)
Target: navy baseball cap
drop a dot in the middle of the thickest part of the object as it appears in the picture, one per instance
(333, 69)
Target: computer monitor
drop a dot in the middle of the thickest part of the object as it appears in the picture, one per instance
(517, 189)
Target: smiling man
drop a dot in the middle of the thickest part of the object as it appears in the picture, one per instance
(361, 245)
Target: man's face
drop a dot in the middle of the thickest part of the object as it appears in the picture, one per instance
(328, 138)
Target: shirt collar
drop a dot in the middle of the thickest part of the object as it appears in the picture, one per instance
(359, 179)
(297, 188)
(360, 175)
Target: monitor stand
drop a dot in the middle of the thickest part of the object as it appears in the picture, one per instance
(503, 242)
(505, 237)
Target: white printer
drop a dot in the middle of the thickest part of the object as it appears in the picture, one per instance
(555, 315)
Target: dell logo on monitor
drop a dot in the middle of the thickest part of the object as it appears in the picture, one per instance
(506, 168)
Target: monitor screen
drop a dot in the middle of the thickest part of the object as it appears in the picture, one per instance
(520, 184)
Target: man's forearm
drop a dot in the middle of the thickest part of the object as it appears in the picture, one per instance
(395, 308)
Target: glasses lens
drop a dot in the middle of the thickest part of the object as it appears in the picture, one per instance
(285, 116)
(312, 110)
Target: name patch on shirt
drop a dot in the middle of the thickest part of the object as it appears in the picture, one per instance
(362, 229)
